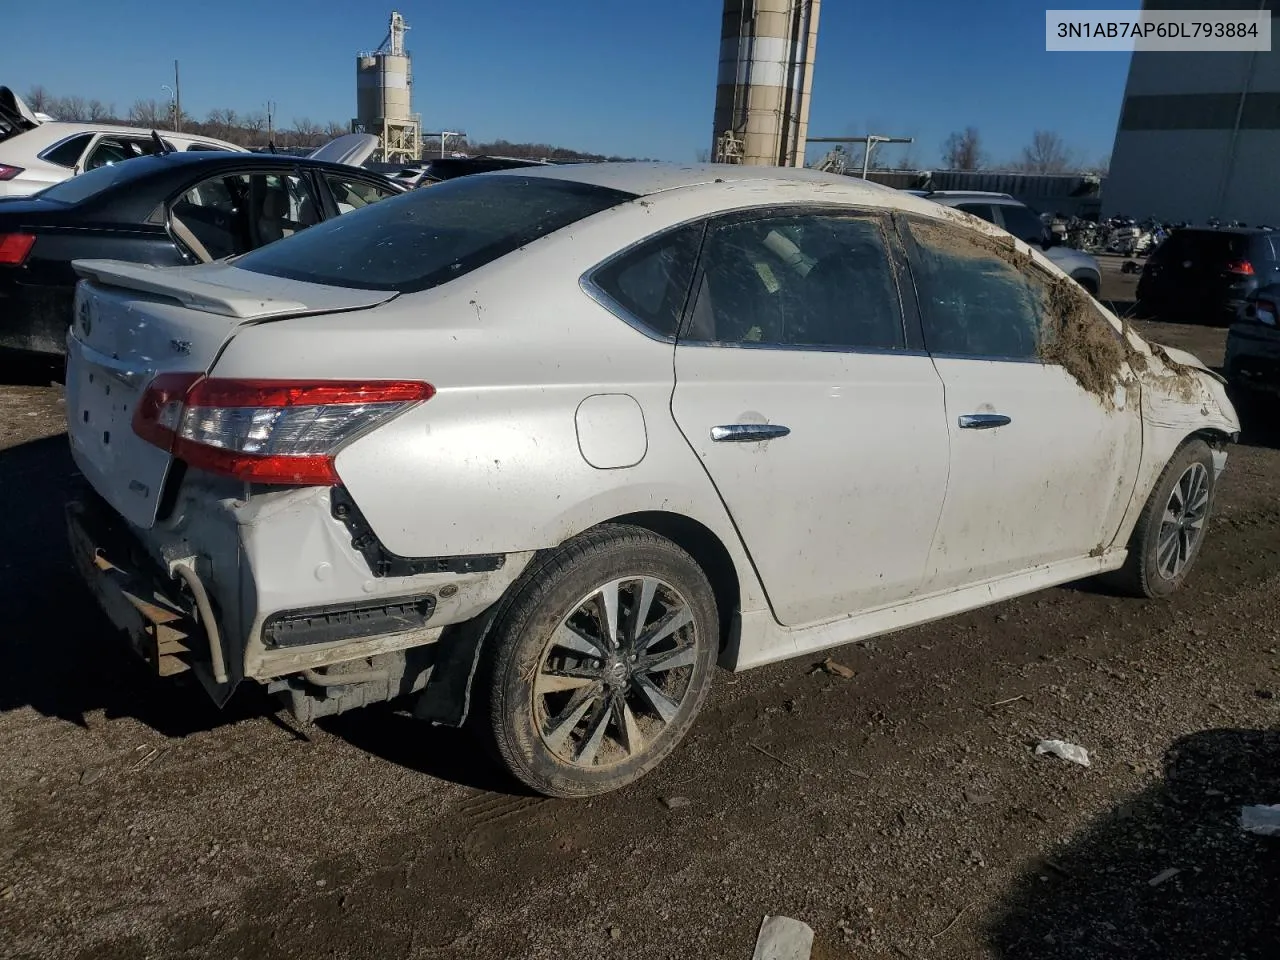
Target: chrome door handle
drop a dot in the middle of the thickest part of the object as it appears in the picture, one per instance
(748, 432)
(983, 421)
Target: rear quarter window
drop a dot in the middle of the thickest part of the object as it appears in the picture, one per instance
(426, 238)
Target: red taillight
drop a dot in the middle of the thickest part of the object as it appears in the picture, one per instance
(267, 431)
(8, 172)
(14, 247)
(1243, 268)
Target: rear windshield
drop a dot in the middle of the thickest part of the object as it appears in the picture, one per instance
(91, 183)
(430, 236)
(1207, 245)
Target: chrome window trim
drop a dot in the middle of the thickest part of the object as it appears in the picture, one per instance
(597, 293)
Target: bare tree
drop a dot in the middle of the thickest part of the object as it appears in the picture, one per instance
(254, 122)
(703, 155)
(963, 150)
(306, 131)
(39, 99)
(336, 129)
(1101, 168)
(908, 159)
(222, 122)
(1047, 154)
(149, 113)
(71, 108)
(97, 110)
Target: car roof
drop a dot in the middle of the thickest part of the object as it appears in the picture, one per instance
(58, 129)
(1241, 231)
(645, 179)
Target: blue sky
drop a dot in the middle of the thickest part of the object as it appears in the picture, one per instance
(596, 75)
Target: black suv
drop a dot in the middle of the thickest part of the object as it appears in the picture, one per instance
(1207, 273)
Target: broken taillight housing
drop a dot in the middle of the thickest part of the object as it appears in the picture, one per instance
(1265, 311)
(1243, 268)
(14, 248)
(267, 431)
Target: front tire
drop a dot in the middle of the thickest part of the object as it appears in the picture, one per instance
(1170, 531)
(599, 661)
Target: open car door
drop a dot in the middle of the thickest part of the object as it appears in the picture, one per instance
(15, 116)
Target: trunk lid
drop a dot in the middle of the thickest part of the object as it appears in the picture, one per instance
(352, 149)
(132, 323)
(15, 116)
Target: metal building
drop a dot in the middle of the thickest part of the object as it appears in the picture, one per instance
(1199, 133)
(384, 97)
(767, 49)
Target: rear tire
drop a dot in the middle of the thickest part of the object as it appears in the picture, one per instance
(1170, 531)
(589, 683)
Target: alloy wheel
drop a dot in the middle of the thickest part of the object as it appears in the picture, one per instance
(615, 672)
(1182, 521)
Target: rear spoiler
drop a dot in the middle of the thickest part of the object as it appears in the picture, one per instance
(188, 291)
(198, 288)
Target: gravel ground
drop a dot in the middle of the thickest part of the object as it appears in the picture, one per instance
(901, 813)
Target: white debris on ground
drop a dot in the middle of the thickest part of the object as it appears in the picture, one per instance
(1261, 820)
(1067, 751)
(782, 938)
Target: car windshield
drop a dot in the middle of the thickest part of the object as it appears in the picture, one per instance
(429, 237)
(89, 184)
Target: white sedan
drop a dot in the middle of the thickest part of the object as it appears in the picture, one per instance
(543, 446)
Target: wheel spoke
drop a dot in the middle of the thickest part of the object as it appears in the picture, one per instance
(662, 705)
(683, 656)
(570, 638)
(565, 678)
(557, 731)
(1166, 556)
(640, 609)
(625, 720)
(1167, 532)
(607, 604)
(596, 725)
(672, 621)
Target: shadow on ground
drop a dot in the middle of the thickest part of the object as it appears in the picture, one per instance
(27, 370)
(1096, 898)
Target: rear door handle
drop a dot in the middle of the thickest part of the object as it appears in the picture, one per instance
(983, 421)
(748, 432)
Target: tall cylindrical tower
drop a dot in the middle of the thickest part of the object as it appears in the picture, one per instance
(384, 101)
(767, 50)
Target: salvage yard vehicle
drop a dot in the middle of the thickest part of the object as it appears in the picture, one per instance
(1206, 274)
(1252, 361)
(1025, 224)
(538, 448)
(172, 209)
(35, 155)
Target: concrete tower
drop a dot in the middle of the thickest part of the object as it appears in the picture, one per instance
(384, 97)
(767, 50)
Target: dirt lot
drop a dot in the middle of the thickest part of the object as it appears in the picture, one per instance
(901, 813)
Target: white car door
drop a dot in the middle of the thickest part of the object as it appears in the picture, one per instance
(816, 417)
(1042, 469)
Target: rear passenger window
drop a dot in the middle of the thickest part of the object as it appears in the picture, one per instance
(812, 280)
(974, 302)
(67, 153)
(651, 282)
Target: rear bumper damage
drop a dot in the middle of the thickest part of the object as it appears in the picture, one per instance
(270, 587)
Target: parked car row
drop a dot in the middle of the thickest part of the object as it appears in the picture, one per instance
(165, 209)
(542, 446)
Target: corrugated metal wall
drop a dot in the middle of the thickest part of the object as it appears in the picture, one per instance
(1070, 195)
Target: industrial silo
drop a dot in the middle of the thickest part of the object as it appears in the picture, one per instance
(767, 49)
(384, 97)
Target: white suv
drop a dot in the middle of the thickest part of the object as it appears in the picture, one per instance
(35, 154)
(1025, 224)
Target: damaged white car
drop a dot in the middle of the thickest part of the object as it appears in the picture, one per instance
(544, 446)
